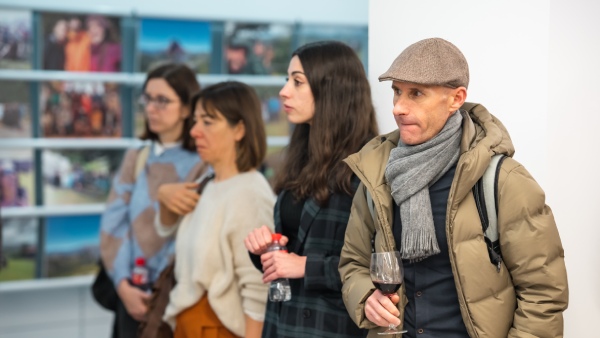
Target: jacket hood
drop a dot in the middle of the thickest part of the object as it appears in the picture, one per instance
(483, 137)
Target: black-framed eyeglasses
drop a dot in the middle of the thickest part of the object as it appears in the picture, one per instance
(159, 102)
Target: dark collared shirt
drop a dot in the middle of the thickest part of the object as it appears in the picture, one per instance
(433, 309)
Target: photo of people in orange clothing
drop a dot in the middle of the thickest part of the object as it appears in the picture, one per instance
(81, 43)
(80, 109)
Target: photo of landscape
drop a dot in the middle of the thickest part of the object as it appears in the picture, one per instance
(181, 41)
(19, 248)
(71, 245)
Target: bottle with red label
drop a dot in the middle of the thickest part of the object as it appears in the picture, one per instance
(139, 274)
(279, 290)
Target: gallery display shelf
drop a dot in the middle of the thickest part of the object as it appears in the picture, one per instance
(46, 284)
(70, 143)
(97, 143)
(130, 78)
(52, 210)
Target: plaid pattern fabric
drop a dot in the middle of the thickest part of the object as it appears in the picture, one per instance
(316, 308)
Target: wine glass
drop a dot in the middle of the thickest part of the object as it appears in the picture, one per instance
(387, 275)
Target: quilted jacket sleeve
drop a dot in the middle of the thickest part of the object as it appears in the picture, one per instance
(533, 253)
(354, 260)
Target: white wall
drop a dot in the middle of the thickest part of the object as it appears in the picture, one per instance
(534, 64)
(574, 128)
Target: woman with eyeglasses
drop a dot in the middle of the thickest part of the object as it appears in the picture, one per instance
(127, 231)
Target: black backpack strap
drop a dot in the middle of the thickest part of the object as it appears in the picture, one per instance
(485, 192)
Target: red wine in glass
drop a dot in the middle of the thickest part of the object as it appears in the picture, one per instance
(386, 288)
(387, 275)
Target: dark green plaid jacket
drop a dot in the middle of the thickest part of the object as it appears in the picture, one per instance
(316, 308)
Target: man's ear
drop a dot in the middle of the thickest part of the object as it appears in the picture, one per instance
(458, 96)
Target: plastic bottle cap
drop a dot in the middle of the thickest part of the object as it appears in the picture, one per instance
(140, 261)
(275, 237)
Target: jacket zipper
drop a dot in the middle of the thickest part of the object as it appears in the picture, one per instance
(450, 239)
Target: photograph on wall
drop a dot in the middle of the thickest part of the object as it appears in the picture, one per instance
(139, 121)
(257, 48)
(273, 163)
(19, 248)
(16, 44)
(276, 123)
(80, 42)
(17, 178)
(357, 37)
(80, 109)
(78, 176)
(71, 246)
(181, 41)
(15, 117)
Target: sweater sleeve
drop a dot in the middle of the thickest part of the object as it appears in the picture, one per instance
(254, 207)
(164, 230)
(115, 227)
(539, 275)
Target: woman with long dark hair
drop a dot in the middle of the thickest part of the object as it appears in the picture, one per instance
(328, 98)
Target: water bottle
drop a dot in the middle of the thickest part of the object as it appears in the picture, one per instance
(279, 290)
(139, 274)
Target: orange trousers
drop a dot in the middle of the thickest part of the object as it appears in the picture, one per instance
(200, 321)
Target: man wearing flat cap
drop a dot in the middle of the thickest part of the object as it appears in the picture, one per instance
(416, 197)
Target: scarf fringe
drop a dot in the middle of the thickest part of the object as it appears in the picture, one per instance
(418, 245)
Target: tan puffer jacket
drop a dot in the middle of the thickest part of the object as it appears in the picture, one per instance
(529, 294)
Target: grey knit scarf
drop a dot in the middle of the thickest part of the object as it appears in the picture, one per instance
(410, 171)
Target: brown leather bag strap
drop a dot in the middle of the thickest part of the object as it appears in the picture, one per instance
(154, 327)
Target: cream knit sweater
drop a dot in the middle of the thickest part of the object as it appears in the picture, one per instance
(210, 251)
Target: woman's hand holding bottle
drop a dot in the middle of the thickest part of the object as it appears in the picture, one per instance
(259, 240)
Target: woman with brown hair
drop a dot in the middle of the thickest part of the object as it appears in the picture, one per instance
(328, 98)
(219, 293)
(127, 230)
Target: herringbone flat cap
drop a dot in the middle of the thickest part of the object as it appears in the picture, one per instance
(432, 61)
